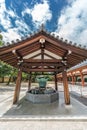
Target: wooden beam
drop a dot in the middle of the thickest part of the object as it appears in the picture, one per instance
(42, 61)
(50, 67)
(44, 74)
(17, 88)
(17, 54)
(29, 82)
(62, 45)
(35, 56)
(56, 82)
(6, 55)
(66, 89)
(73, 79)
(55, 51)
(74, 58)
(21, 45)
(29, 48)
(82, 78)
(42, 64)
(77, 56)
(42, 70)
(42, 54)
(65, 55)
(12, 59)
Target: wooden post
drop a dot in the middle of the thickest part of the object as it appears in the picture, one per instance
(56, 82)
(82, 78)
(66, 90)
(73, 79)
(17, 88)
(29, 82)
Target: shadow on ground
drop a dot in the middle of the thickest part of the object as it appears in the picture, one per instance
(26, 107)
(80, 98)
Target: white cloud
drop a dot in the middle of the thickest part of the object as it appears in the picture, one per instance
(72, 23)
(10, 35)
(21, 25)
(5, 15)
(11, 13)
(40, 13)
(13, 33)
(6, 23)
(26, 11)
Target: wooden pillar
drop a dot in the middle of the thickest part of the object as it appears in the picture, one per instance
(29, 82)
(56, 82)
(73, 79)
(17, 88)
(66, 89)
(82, 78)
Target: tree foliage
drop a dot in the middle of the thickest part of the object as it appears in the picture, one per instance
(7, 71)
(1, 40)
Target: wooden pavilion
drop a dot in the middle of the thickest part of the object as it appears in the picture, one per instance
(42, 52)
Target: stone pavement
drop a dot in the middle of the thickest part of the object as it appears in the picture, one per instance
(57, 108)
(43, 125)
(28, 116)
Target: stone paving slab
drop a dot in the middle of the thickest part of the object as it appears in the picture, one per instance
(53, 109)
(27, 108)
(43, 118)
(43, 125)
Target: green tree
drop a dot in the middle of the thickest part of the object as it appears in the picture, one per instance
(9, 71)
(5, 69)
(1, 40)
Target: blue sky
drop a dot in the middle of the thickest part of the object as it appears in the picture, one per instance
(66, 18)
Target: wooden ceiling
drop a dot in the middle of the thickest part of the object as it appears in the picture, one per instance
(42, 52)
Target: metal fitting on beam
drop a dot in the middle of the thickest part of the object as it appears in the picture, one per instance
(42, 40)
(13, 51)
